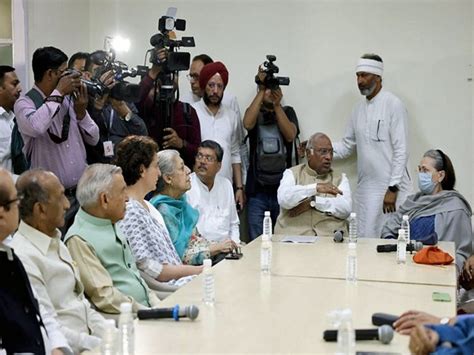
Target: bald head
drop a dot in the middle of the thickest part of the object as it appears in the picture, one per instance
(320, 153)
(8, 205)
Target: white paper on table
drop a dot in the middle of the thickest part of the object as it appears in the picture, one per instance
(299, 239)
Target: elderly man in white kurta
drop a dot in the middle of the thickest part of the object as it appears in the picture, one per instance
(220, 124)
(50, 268)
(213, 197)
(313, 199)
(378, 131)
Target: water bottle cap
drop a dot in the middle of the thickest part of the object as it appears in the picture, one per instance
(405, 217)
(125, 307)
(346, 314)
(353, 215)
(267, 213)
(207, 262)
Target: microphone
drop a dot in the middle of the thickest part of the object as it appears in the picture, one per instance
(175, 312)
(338, 236)
(384, 334)
(384, 318)
(387, 248)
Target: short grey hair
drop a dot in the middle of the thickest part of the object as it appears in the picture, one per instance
(313, 137)
(167, 164)
(97, 178)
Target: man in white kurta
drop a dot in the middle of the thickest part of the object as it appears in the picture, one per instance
(213, 196)
(220, 124)
(229, 100)
(378, 131)
(47, 261)
(313, 199)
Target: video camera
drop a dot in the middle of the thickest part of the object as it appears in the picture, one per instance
(271, 81)
(175, 61)
(122, 90)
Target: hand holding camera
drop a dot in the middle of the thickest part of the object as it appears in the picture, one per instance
(69, 82)
(80, 101)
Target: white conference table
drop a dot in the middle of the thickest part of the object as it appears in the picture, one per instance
(326, 259)
(286, 312)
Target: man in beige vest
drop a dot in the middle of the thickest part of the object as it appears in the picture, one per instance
(313, 199)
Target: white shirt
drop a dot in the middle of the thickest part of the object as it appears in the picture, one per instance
(378, 130)
(6, 128)
(218, 218)
(228, 100)
(52, 336)
(54, 277)
(290, 195)
(224, 129)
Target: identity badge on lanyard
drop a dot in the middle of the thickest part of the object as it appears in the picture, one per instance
(108, 145)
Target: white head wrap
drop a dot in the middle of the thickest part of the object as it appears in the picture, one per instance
(369, 66)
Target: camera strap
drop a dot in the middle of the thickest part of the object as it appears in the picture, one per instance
(37, 99)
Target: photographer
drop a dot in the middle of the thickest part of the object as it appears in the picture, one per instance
(183, 132)
(54, 123)
(116, 118)
(262, 186)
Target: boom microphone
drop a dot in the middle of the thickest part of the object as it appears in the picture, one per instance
(175, 312)
(387, 248)
(384, 334)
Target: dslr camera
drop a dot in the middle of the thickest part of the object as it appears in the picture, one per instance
(175, 61)
(271, 81)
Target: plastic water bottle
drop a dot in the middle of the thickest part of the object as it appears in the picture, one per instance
(353, 228)
(267, 225)
(109, 338)
(208, 283)
(126, 329)
(351, 263)
(266, 255)
(401, 247)
(406, 227)
(345, 334)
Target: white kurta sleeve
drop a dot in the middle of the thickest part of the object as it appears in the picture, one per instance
(55, 337)
(345, 148)
(289, 194)
(339, 206)
(235, 147)
(399, 140)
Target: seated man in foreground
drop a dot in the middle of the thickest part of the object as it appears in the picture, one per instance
(30, 332)
(49, 265)
(100, 250)
(313, 199)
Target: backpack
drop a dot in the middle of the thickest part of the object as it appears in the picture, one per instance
(272, 154)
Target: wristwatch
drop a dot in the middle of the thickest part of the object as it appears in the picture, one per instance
(393, 188)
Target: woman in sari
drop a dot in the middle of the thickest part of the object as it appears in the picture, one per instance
(143, 225)
(180, 217)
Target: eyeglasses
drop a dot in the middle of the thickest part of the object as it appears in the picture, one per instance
(7, 204)
(214, 85)
(192, 77)
(207, 158)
